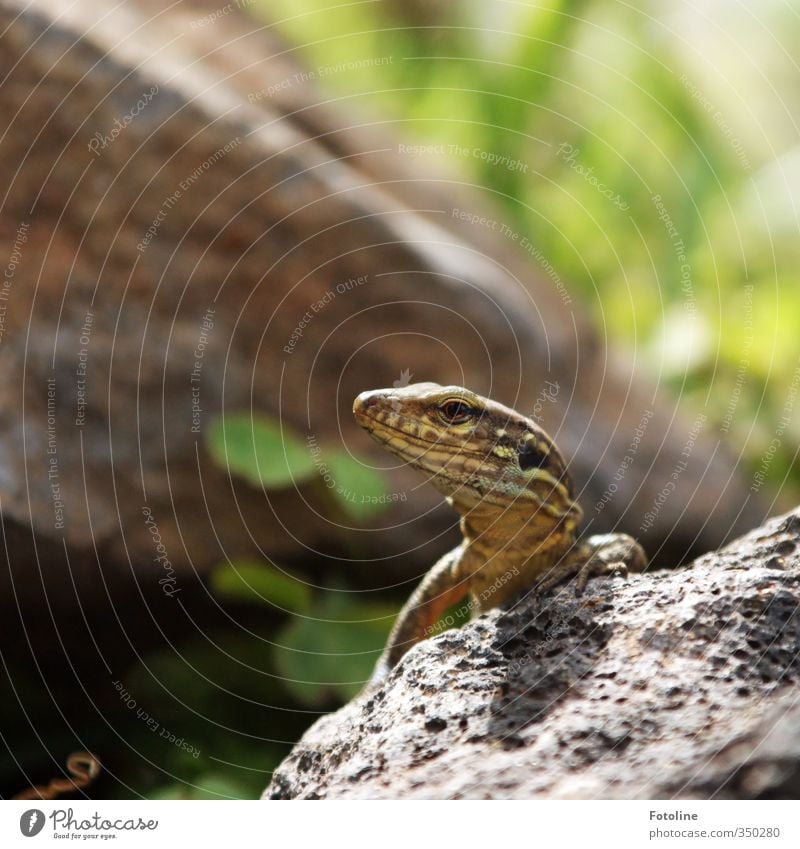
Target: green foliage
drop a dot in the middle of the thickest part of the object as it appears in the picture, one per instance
(250, 580)
(262, 451)
(266, 453)
(235, 698)
(359, 490)
(329, 654)
(208, 785)
(214, 695)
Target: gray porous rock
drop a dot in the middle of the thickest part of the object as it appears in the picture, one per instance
(670, 684)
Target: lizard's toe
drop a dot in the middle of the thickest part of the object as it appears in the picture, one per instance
(596, 568)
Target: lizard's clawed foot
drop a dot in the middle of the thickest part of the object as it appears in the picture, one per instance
(596, 568)
(599, 555)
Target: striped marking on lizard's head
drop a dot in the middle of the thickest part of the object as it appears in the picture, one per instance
(474, 450)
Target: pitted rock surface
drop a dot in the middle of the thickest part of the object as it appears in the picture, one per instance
(667, 684)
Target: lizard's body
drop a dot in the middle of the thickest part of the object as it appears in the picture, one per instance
(508, 480)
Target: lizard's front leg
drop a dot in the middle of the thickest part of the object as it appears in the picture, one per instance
(440, 589)
(601, 554)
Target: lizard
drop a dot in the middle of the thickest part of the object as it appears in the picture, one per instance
(508, 481)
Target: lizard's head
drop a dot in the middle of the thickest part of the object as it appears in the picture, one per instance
(475, 451)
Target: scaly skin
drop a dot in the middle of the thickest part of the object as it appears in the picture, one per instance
(508, 480)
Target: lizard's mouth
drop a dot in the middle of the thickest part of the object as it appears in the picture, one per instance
(373, 412)
(378, 416)
(394, 439)
(440, 463)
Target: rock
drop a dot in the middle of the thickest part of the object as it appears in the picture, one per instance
(670, 684)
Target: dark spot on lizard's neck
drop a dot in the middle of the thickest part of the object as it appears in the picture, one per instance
(531, 457)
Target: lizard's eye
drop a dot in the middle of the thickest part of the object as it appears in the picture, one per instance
(456, 412)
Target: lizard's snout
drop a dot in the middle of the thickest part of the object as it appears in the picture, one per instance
(366, 405)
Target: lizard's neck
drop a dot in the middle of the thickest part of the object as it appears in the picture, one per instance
(515, 535)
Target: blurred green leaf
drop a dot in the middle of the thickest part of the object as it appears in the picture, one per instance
(260, 450)
(210, 785)
(330, 653)
(253, 581)
(359, 490)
